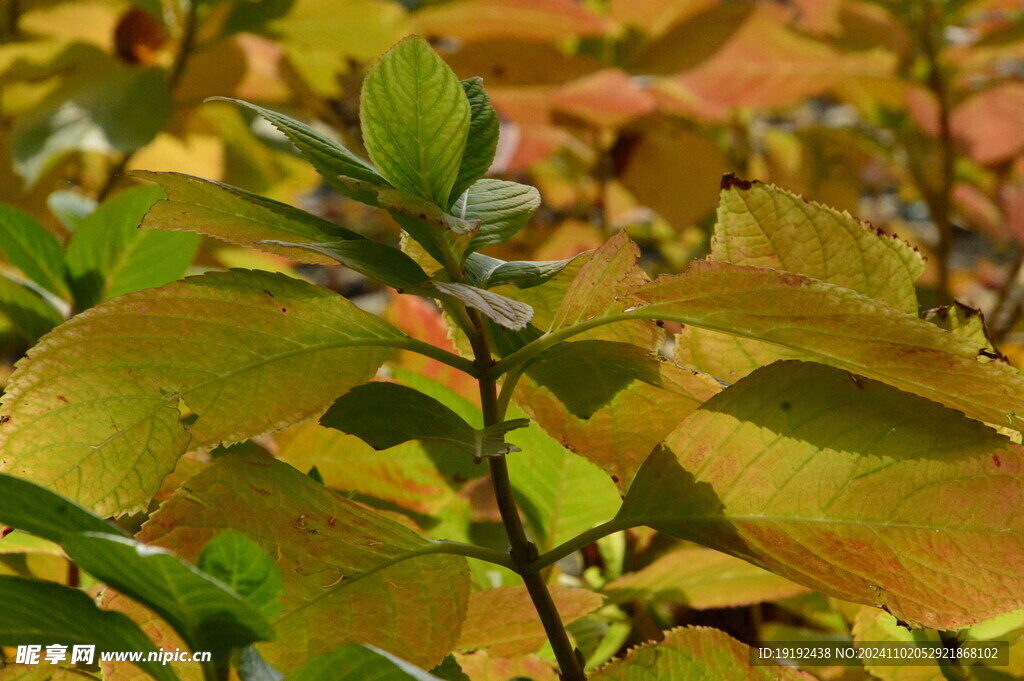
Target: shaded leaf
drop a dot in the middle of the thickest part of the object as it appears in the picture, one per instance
(771, 471)
(45, 613)
(238, 216)
(108, 256)
(387, 414)
(29, 314)
(325, 547)
(209, 360)
(415, 117)
(202, 610)
(701, 578)
(252, 667)
(505, 312)
(328, 157)
(246, 569)
(694, 652)
(415, 207)
(481, 140)
(32, 249)
(39, 511)
(385, 264)
(518, 630)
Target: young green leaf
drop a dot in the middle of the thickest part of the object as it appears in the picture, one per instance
(206, 614)
(511, 314)
(245, 568)
(694, 653)
(328, 157)
(30, 315)
(238, 216)
(34, 509)
(415, 118)
(482, 140)
(771, 470)
(32, 249)
(387, 414)
(502, 207)
(44, 613)
(354, 662)
(131, 384)
(108, 256)
(421, 209)
(487, 272)
(349, 573)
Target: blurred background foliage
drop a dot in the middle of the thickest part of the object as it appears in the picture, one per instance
(624, 113)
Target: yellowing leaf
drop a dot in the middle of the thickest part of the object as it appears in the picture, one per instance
(108, 402)
(764, 226)
(693, 653)
(702, 578)
(474, 20)
(913, 508)
(504, 621)
(480, 666)
(413, 608)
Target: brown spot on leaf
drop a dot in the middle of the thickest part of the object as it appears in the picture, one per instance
(261, 491)
(268, 293)
(62, 399)
(996, 461)
(4, 419)
(6, 531)
(332, 521)
(284, 309)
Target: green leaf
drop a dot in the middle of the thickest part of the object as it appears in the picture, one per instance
(382, 263)
(29, 314)
(328, 157)
(44, 613)
(482, 140)
(237, 216)
(421, 209)
(449, 670)
(384, 415)
(487, 272)
(764, 226)
(34, 509)
(694, 653)
(508, 313)
(206, 614)
(842, 328)
(415, 119)
(354, 662)
(108, 256)
(32, 249)
(246, 569)
(772, 471)
(561, 493)
(349, 573)
(109, 401)
(113, 108)
(502, 207)
(701, 578)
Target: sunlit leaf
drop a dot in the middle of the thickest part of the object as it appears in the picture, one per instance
(246, 569)
(694, 652)
(506, 312)
(415, 117)
(325, 546)
(503, 208)
(518, 630)
(531, 19)
(108, 402)
(701, 578)
(771, 471)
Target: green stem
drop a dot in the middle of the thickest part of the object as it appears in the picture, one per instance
(580, 541)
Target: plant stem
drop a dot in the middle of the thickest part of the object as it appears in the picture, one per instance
(522, 550)
(580, 541)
